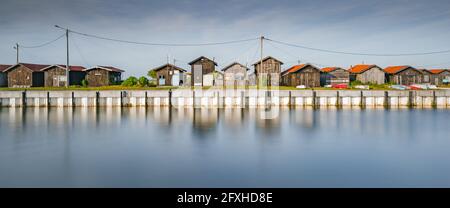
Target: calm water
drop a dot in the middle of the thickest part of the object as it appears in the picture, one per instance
(138, 147)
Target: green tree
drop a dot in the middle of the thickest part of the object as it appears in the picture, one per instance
(143, 81)
(130, 81)
(152, 74)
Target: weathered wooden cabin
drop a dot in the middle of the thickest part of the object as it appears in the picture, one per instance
(235, 74)
(302, 74)
(403, 75)
(440, 76)
(55, 75)
(169, 75)
(214, 78)
(367, 74)
(426, 76)
(269, 73)
(334, 75)
(103, 76)
(3, 76)
(199, 67)
(25, 75)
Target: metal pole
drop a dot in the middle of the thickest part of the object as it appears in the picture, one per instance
(67, 64)
(260, 63)
(17, 53)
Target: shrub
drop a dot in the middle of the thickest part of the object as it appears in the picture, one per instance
(84, 83)
(143, 81)
(130, 81)
(354, 83)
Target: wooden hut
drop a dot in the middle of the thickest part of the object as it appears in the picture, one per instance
(25, 75)
(199, 67)
(269, 73)
(169, 75)
(403, 75)
(103, 76)
(3, 77)
(334, 75)
(302, 74)
(235, 74)
(426, 76)
(367, 74)
(440, 76)
(55, 75)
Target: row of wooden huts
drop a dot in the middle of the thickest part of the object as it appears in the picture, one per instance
(312, 76)
(41, 75)
(268, 72)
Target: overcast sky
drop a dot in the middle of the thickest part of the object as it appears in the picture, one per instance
(348, 25)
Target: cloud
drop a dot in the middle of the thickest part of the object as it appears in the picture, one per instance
(355, 26)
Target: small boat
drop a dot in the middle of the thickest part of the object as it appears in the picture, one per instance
(340, 86)
(399, 87)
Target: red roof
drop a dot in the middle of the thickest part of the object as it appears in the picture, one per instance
(297, 68)
(437, 71)
(3, 67)
(114, 69)
(33, 67)
(109, 68)
(360, 68)
(329, 69)
(73, 68)
(395, 69)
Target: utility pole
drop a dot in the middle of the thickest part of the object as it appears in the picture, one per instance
(67, 63)
(17, 52)
(67, 53)
(260, 63)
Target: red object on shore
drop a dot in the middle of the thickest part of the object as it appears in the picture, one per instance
(340, 86)
(414, 88)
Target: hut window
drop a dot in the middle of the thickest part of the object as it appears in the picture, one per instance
(97, 74)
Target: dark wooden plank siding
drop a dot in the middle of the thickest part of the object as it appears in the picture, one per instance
(20, 76)
(406, 77)
(97, 77)
(308, 76)
(268, 73)
(3, 79)
(338, 76)
(208, 66)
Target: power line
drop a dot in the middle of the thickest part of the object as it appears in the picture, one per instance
(298, 59)
(44, 44)
(357, 54)
(161, 44)
(79, 51)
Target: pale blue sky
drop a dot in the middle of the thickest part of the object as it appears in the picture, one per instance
(355, 26)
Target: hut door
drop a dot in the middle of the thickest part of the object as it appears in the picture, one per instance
(162, 80)
(176, 78)
(198, 75)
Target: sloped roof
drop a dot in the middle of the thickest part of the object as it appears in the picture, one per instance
(32, 67)
(171, 65)
(360, 68)
(4, 67)
(397, 69)
(437, 71)
(297, 68)
(330, 69)
(234, 63)
(71, 68)
(108, 68)
(264, 59)
(201, 57)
